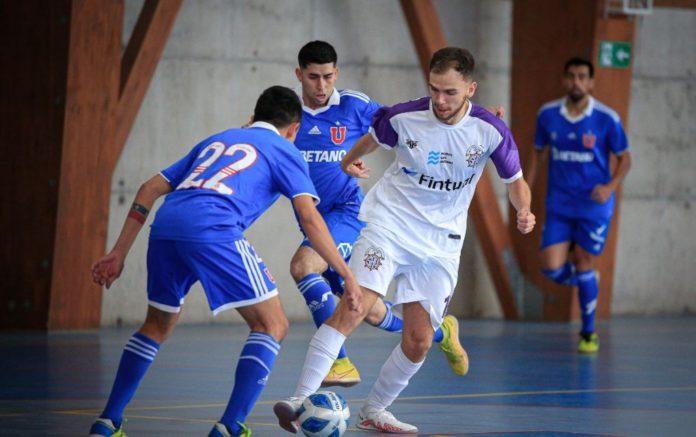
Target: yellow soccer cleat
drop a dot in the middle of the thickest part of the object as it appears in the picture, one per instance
(588, 344)
(343, 373)
(450, 346)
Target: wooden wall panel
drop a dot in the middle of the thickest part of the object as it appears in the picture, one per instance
(67, 110)
(613, 87)
(83, 197)
(105, 91)
(34, 45)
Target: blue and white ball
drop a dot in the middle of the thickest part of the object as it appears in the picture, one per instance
(324, 414)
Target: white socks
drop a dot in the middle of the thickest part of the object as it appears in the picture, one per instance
(322, 352)
(393, 378)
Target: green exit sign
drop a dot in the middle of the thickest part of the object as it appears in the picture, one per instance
(614, 54)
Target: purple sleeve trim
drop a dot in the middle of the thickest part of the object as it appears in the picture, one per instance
(506, 157)
(382, 129)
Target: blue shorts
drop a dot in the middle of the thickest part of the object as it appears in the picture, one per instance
(231, 273)
(590, 234)
(344, 226)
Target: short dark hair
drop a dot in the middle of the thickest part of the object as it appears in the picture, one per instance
(279, 106)
(316, 52)
(459, 59)
(577, 62)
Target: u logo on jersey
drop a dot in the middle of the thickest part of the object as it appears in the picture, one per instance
(588, 139)
(338, 135)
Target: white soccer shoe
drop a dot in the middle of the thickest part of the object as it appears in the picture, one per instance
(286, 412)
(371, 419)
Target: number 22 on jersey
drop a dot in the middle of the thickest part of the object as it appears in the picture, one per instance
(216, 182)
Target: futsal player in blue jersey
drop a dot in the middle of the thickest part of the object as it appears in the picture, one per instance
(581, 134)
(214, 194)
(332, 121)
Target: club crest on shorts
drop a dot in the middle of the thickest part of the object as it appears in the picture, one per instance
(373, 258)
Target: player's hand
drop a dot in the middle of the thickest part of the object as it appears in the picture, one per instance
(353, 295)
(525, 221)
(498, 111)
(358, 169)
(601, 193)
(107, 269)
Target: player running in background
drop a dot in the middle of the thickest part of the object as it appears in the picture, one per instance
(332, 121)
(582, 134)
(216, 192)
(416, 218)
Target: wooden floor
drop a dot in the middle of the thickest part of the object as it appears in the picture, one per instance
(525, 379)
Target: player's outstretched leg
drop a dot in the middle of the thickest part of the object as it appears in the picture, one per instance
(452, 348)
(587, 296)
(255, 363)
(137, 356)
(392, 379)
(319, 298)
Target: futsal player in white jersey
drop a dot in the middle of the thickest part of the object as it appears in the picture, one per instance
(416, 220)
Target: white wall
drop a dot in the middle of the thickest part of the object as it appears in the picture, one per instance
(222, 54)
(656, 267)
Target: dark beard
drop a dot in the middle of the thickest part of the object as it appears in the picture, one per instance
(454, 114)
(574, 98)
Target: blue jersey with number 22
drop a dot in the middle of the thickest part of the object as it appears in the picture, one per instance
(226, 182)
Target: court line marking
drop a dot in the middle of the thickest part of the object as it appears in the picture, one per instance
(418, 398)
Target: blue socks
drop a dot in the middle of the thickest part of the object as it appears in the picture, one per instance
(137, 356)
(255, 364)
(587, 296)
(319, 299)
(564, 275)
(391, 322)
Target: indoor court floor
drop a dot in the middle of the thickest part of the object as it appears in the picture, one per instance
(525, 379)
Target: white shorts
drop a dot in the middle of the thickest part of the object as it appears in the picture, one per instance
(378, 257)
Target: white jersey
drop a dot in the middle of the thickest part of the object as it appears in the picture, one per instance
(425, 193)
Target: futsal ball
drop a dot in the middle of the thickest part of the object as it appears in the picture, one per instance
(324, 414)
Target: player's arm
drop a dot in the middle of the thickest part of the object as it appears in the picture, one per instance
(352, 163)
(109, 267)
(521, 198)
(317, 232)
(601, 193)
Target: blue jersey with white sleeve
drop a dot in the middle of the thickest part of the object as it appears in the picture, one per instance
(579, 156)
(326, 134)
(226, 182)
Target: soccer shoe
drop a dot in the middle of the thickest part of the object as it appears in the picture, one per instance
(371, 419)
(105, 428)
(343, 373)
(220, 430)
(286, 412)
(588, 344)
(450, 346)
